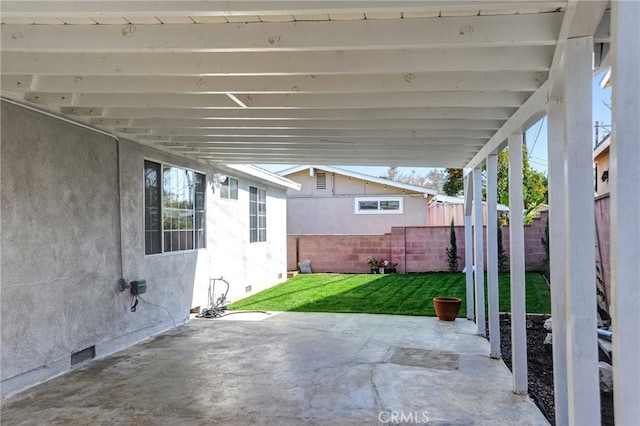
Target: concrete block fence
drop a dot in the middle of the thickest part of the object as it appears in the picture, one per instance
(415, 248)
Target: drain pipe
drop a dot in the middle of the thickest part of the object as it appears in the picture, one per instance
(118, 174)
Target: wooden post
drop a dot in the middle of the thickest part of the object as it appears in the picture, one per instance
(479, 251)
(468, 243)
(555, 136)
(579, 227)
(492, 254)
(625, 210)
(518, 298)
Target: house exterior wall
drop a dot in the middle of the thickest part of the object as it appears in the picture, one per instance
(602, 164)
(332, 210)
(440, 214)
(63, 190)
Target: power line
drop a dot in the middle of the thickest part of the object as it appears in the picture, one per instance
(537, 134)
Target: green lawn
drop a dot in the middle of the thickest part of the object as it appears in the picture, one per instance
(400, 294)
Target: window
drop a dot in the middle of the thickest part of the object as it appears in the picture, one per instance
(174, 208)
(378, 205)
(321, 180)
(229, 188)
(257, 215)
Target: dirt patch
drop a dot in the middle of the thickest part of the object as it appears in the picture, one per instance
(540, 370)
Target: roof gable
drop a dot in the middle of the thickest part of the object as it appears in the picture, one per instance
(362, 176)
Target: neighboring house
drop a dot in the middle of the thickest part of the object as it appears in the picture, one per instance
(601, 166)
(337, 201)
(81, 210)
(443, 208)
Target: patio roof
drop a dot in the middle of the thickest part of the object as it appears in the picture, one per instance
(337, 82)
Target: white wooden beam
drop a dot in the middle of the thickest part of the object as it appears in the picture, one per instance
(336, 83)
(467, 113)
(468, 244)
(445, 144)
(518, 292)
(313, 124)
(302, 133)
(532, 110)
(581, 18)
(534, 58)
(478, 252)
(528, 30)
(215, 8)
(582, 351)
(492, 255)
(298, 100)
(557, 181)
(625, 211)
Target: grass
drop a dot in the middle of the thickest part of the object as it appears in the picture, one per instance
(398, 294)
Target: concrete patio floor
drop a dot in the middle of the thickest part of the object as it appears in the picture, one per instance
(288, 369)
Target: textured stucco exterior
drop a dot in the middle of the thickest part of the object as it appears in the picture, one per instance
(68, 197)
(332, 210)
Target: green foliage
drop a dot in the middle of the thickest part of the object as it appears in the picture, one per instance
(503, 259)
(545, 243)
(452, 250)
(534, 184)
(453, 183)
(399, 294)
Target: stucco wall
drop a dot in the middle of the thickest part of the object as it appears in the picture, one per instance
(60, 247)
(332, 211)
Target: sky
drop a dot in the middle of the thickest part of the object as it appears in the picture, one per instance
(536, 138)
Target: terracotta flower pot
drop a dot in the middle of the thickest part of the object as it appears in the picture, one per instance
(447, 308)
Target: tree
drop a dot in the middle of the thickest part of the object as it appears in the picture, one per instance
(453, 183)
(432, 180)
(503, 259)
(391, 173)
(452, 250)
(534, 183)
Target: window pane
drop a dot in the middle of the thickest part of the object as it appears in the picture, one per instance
(368, 205)
(390, 205)
(233, 188)
(152, 224)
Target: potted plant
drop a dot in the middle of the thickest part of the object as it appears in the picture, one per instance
(447, 308)
(373, 263)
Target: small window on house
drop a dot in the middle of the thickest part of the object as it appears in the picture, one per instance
(257, 215)
(229, 188)
(321, 180)
(378, 205)
(174, 208)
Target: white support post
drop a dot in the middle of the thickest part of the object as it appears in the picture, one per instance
(492, 254)
(468, 243)
(555, 150)
(625, 210)
(518, 298)
(582, 345)
(479, 251)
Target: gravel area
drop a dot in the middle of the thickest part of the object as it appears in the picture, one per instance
(540, 366)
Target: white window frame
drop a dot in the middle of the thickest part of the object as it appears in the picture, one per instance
(378, 210)
(226, 183)
(196, 246)
(260, 232)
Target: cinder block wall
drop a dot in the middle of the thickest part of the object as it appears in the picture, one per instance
(415, 248)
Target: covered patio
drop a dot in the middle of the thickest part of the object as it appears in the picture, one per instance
(432, 84)
(289, 369)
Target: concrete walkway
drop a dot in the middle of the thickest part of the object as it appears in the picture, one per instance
(288, 369)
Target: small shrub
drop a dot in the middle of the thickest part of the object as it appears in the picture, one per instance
(452, 251)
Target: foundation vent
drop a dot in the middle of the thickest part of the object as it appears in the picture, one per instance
(83, 355)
